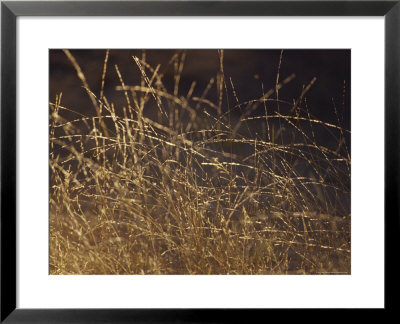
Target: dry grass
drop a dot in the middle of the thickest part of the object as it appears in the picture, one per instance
(176, 184)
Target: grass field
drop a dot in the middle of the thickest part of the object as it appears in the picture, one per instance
(174, 183)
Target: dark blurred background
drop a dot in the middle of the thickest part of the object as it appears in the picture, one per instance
(249, 69)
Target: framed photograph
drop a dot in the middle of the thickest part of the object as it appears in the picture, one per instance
(197, 161)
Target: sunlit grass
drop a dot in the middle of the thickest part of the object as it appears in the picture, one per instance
(171, 183)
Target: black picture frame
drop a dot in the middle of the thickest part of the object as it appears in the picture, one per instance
(10, 10)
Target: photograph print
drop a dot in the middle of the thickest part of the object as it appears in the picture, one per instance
(200, 161)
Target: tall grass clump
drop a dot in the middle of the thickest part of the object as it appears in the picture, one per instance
(173, 183)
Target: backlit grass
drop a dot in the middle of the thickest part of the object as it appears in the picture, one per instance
(171, 183)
